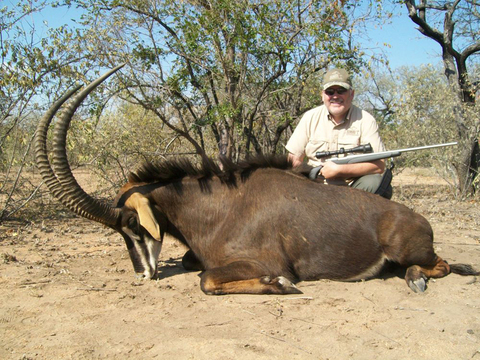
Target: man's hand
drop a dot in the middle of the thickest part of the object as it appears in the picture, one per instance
(295, 160)
(330, 170)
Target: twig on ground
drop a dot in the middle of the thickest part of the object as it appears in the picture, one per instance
(30, 283)
(300, 298)
(96, 289)
(455, 244)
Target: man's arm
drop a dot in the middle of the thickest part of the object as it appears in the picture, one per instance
(331, 170)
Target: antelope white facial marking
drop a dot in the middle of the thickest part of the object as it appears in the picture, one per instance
(144, 254)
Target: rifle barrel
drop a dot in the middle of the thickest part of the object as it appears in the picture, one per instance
(427, 147)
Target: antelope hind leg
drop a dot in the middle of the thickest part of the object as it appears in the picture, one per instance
(417, 275)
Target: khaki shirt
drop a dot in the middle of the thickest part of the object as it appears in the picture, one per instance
(316, 131)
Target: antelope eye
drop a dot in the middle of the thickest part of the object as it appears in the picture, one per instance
(133, 225)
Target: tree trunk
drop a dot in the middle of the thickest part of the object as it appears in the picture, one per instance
(456, 72)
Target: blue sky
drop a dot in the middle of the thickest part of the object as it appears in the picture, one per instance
(407, 45)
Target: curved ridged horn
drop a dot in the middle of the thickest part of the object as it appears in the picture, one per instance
(71, 194)
(41, 154)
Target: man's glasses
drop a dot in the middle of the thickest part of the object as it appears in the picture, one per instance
(339, 91)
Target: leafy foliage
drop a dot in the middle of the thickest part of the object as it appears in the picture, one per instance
(214, 71)
(416, 106)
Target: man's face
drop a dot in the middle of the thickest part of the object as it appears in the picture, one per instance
(338, 101)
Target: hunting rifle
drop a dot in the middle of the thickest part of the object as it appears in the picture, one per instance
(367, 156)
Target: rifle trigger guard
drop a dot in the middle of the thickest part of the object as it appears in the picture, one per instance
(314, 172)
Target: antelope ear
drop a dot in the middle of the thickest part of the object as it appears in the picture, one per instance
(141, 205)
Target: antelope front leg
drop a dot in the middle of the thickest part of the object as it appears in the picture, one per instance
(244, 277)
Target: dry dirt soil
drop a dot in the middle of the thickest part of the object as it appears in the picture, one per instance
(68, 292)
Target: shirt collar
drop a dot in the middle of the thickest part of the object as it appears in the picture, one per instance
(345, 120)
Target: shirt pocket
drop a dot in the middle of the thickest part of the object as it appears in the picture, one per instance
(349, 141)
(315, 145)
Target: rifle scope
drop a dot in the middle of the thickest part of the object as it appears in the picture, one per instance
(367, 148)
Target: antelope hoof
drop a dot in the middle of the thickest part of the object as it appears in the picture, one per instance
(284, 285)
(418, 285)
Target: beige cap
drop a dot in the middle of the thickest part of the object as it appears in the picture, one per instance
(338, 77)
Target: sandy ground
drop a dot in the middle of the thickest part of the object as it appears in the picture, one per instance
(68, 292)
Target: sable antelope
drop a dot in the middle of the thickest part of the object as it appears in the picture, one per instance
(255, 227)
